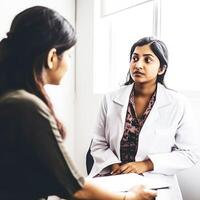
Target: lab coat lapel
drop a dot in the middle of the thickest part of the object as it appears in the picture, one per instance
(122, 98)
(162, 100)
(147, 132)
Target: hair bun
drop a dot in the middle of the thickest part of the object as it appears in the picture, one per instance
(4, 43)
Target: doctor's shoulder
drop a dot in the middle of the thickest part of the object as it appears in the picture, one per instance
(178, 98)
(119, 92)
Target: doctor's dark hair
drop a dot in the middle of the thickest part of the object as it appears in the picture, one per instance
(23, 53)
(159, 49)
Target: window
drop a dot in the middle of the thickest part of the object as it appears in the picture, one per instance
(180, 33)
(116, 27)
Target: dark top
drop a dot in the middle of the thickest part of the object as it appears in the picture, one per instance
(132, 128)
(33, 161)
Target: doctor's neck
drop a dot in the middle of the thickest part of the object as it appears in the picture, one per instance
(144, 89)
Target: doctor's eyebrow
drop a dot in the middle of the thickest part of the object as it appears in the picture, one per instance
(145, 55)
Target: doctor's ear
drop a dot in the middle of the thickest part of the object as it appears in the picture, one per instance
(162, 70)
(52, 59)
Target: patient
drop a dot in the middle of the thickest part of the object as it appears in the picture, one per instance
(144, 127)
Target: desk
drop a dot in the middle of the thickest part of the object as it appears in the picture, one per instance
(123, 182)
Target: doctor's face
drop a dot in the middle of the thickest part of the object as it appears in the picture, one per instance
(144, 65)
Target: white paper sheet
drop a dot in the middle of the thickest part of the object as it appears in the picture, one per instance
(124, 182)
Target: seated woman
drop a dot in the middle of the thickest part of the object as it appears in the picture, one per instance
(144, 127)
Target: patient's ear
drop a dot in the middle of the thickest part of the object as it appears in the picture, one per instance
(52, 59)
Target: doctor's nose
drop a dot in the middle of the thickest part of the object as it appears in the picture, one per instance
(139, 65)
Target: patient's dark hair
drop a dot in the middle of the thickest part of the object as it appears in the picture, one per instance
(23, 53)
(159, 49)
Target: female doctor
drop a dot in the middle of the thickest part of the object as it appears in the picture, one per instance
(144, 127)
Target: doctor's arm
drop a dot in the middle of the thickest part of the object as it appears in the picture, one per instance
(185, 152)
(100, 148)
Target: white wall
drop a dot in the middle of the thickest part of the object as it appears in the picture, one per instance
(62, 96)
(86, 102)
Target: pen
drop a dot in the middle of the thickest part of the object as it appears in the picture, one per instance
(159, 188)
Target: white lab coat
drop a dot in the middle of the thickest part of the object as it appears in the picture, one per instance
(168, 137)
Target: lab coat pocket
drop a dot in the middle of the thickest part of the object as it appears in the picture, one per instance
(163, 140)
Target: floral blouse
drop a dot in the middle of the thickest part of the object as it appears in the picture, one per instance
(132, 128)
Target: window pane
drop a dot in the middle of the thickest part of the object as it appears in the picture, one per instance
(179, 31)
(114, 37)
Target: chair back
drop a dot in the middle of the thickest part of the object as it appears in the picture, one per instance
(89, 159)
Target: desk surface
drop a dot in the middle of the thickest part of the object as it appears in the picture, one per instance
(124, 182)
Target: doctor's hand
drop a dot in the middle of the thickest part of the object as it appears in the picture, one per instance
(138, 167)
(140, 193)
(115, 169)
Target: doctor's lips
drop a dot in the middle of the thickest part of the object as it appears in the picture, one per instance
(137, 73)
